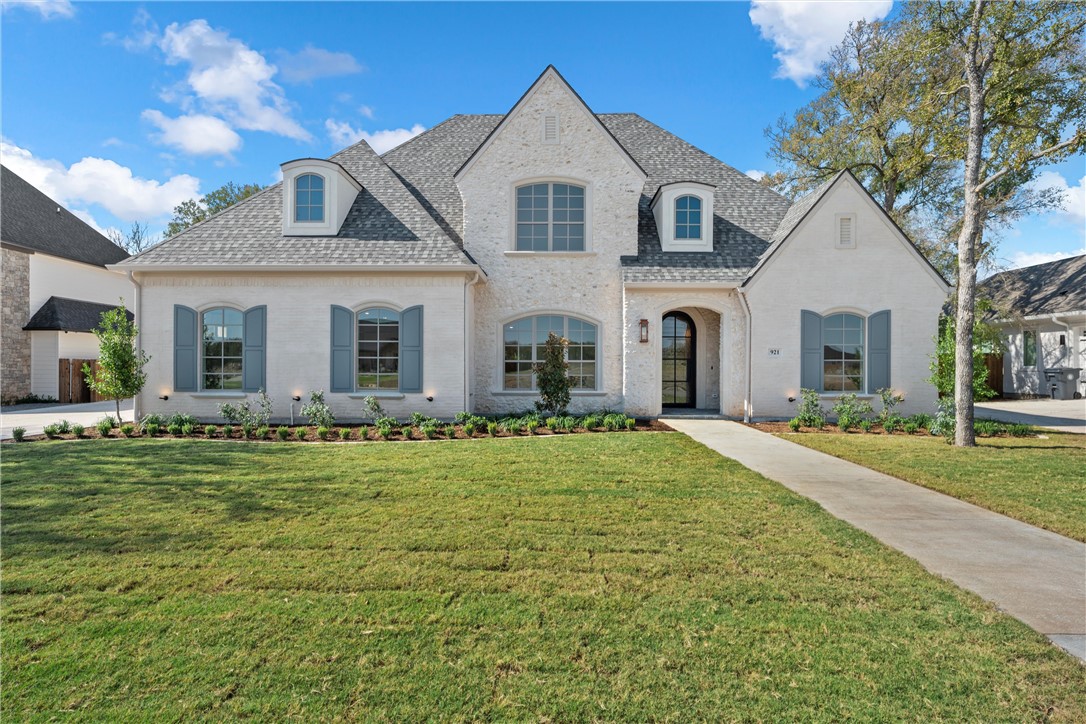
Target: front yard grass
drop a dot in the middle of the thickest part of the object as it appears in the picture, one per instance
(1041, 481)
(589, 577)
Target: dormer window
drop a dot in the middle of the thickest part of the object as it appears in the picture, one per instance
(684, 216)
(309, 198)
(317, 196)
(688, 217)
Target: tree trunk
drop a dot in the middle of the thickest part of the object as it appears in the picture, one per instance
(117, 401)
(968, 240)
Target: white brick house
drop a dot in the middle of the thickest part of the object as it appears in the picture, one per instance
(429, 275)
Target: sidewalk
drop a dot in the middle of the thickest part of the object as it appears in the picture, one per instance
(1062, 415)
(37, 418)
(1032, 574)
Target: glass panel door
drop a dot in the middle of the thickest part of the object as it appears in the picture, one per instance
(679, 342)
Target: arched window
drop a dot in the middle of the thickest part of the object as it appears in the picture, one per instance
(523, 342)
(309, 198)
(688, 217)
(222, 335)
(550, 217)
(378, 349)
(843, 353)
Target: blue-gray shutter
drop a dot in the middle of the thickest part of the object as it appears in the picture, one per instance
(254, 335)
(878, 351)
(411, 350)
(810, 375)
(342, 350)
(186, 356)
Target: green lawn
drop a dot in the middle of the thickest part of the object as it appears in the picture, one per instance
(1041, 481)
(588, 577)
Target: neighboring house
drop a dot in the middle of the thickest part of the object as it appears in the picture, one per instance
(1041, 311)
(55, 286)
(431, 276)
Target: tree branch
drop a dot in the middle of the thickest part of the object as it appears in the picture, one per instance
(1032, 157)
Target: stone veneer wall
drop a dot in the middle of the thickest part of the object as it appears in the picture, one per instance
(15, 312)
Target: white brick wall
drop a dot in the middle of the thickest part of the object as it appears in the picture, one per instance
(299, 328)
(810, 273)
(587, 285)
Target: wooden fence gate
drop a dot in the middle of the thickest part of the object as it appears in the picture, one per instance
(73, 386)
(994, 364)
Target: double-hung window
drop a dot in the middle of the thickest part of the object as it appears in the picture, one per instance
(550, 217)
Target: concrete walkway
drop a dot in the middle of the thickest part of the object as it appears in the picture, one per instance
(37, 418)
(1034, 575)
(1062, 415)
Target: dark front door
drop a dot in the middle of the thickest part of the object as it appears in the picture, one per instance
(679, 344)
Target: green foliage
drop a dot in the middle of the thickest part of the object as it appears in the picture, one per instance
(247, 430)
(911, 426)
(174, 429)
(406, 431)
(385, 431)
(344, 433)
(228, 431)
(194, 211)
(151, 418)
(850, 411)
(794, 424)
(181, 418)
(282, 432)
(809, 410)
(429, 430)
(450, 431)
(18, 433)
(28, 399)
(128, 429)
(631, 424)
(893, 423)
(322, 433)
(551, 379)
(866, 425)
(418, 419)
(248, 413)
(614, 421)
(211, 430)
(78, 430)
(299, 433)
(1020, 429)
(151, 429)
(64, 427)
(492, 428)
(591, 422)
(986, 338)
(372, 406)
(51, 431)
(986, 428)
(317, 410)
(187, 429)
(469, 428)
(262, 432)
(119, 373)
(890, 400)
(943, 423)
(104, 426)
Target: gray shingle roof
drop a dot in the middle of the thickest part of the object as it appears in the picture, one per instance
(1052, 288)
(410, 210)
(386, 225)
(69, 315)
(31, 220)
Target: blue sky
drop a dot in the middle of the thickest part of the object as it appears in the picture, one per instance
(122, 110)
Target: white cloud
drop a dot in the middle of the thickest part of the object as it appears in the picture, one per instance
(366, 111)
(755, 174)
(100, 181)
(1073, 208)
(1020, 259)
(311, 63)
(343, 134)
(196, 134)
(48, 9)
(804, 31)
(230, 79)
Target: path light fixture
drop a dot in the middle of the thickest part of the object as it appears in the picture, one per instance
(163, 397)
(644, 331)
(297, 398)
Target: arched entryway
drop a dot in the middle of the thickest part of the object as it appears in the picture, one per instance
(679, 368)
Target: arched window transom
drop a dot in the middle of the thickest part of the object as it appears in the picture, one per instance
(309, 198)
(525, 338)
(222, 335)
(378, 349)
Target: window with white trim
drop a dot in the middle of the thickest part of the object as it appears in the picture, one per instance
(550, 217)
(222, 335)
(687, 217)
(309, 197)
(523, 342)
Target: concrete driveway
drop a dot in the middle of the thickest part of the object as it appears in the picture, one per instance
(35, 419)
(1062, 415)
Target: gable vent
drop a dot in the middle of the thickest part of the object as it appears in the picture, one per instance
(846, 231)
(550, 128)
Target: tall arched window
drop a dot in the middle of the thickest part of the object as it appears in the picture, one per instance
(309, 198)
(222, 335)
(550, 217)
(523, 341)
(843, 353)
(378, 349)
(688, 217)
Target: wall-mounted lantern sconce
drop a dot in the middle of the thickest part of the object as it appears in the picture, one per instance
(791, 399)
(297, 398)
(644, 330)
(164, 397)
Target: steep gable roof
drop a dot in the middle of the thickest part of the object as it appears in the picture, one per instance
(31, 220)
(1052, 288)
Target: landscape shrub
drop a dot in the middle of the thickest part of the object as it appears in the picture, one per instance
(513, 427)
(386, 422)
(614, 421)
(227, 431)
(450, 431)
(128, 429)
(922, 420)
(429, 431)
(150, 430)
(809, 410)
(385, 431)
(1020, 429)
(78, 430)
(247, 412)
(987, 428)
(469, 428)
(262, 432)
(631, 424)
(247, 430)
(890, 400)
(893, 423)
(418, 419)
(567, 423)
(211, 430)
(552, 424)
(344, 433)
(174, 429)
(322, 433)
(151, 419)
(317, 410)
(299, 433)
(866, 425)
(492, 428)
(850, 411)
(182, 419)
(590, 422)
(64, 427)
(551, 379)
(910, 426)
(187, 429)
(51, 431)
(282, 432)
(104, 426)
(18, 433)
(372, 406)
(406, 431)
(944, 421)
(794, 424)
